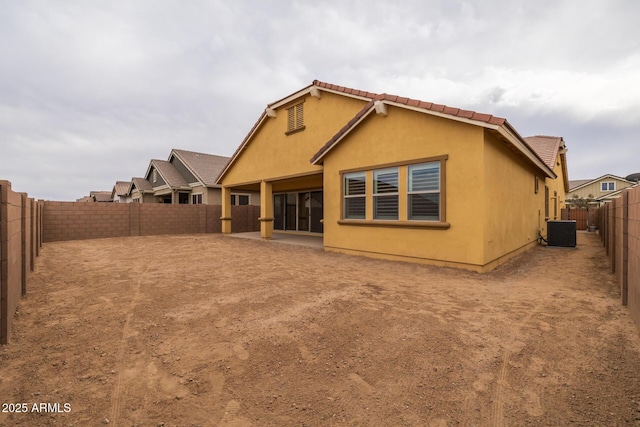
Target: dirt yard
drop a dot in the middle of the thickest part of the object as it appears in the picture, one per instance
(209, 330)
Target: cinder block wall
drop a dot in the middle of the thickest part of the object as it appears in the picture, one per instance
(620, 233)
(80, 221)
(18, 242)
(634, 254)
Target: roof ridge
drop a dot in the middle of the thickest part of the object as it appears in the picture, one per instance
(195, 152)
(441, 108)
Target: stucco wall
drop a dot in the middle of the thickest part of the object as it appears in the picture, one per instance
(404, 136)
(272, 154)
(513, 212)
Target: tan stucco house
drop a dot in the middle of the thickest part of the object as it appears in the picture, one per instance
(397, 178)
(598, 190)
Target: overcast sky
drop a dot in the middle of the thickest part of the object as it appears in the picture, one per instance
(90, 91)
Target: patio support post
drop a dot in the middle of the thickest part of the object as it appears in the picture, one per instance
(266, 210)
(226, 210)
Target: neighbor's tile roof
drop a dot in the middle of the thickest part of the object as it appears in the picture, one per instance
(101, 196)
(546, 147)
(122, 188)
(169, 173)
(142, 184)
(206, 167)
(578, 182)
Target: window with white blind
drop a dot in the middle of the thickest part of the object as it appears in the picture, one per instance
(385, 194)
(295, 118)
(354, 195)
(423, 192)
(411, 194)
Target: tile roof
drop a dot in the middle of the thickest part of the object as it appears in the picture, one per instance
(169, 173)
(142, 184)
(343, 89)
(101, 196)
(414, 104)
(546, 147)
(437, 109)
(205, 167)
(121, 188)
(578, 182)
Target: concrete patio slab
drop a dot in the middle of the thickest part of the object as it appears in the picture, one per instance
(312, 241)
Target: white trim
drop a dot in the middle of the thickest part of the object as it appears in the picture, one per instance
(196, 194)
(364, 116)
(242, 147)
(517, 142)
(381, 109)
(271, 112)
(310, 90)
(513, 139)
(315, 92)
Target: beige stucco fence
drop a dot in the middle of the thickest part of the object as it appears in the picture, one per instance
(620, 234)
(20, 242)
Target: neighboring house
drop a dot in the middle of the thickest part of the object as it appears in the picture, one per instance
(188, 177)
(601, 189)
(120, 192)
(141, 191)
(396, 178)
(169, 186)
(101, 196)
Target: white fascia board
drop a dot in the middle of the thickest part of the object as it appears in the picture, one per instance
(513, 139)
(443, 115)
(241, 149)
(519, 144)
(311, 90)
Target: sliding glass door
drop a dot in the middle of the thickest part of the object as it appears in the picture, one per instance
(299, 211)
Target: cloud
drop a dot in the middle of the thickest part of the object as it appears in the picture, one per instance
(92, 91)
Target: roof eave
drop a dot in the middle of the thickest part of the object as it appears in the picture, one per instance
(506, 130)
(242, 146)
(511, 135)
(186, 165)
(318, 158)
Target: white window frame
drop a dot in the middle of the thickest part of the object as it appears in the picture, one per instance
(377, 195)
(347, 196)
(196, 196)
(411, 192)
(608, 186)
